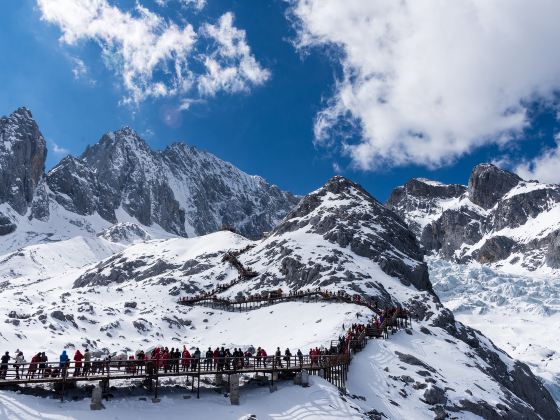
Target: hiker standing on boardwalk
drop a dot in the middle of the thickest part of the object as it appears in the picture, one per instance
(278, 356)
(288, 357)
(87, 362)
(196, 360)
(20, 361)
(4, 364)
(78, 357)
(64, 362)
(208, 359)
(42, 364)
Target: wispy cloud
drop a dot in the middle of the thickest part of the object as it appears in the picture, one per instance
(196, 4)
(153, 55)
(59, 150)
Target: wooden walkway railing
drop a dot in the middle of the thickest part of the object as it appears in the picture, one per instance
(333, 367)
(256, 302)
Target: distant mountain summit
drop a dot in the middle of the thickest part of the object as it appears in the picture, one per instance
(498, 218)
(180, 190)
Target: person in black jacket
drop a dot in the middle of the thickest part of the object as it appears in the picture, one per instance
(278, 357)
(208, 359)
(4, 364)
(288, 357)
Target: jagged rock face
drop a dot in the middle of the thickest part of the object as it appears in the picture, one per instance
(499, 219)
(343, 214)
(488, 184)
(22, 159)
(421, 198)
(125, 233)
(184, 190)
(75, 187)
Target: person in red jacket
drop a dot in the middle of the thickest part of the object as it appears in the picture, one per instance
(185, 359)
(78, 357)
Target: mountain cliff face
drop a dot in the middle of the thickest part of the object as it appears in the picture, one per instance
(22, 163)
(340, 238)
(498, 219)
(180, 190)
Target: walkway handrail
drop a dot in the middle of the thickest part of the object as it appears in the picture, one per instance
(52, 372)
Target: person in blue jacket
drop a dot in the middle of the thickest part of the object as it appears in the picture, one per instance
(64, 361)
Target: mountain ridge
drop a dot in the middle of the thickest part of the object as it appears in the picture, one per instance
(498, 219)
(181, 190)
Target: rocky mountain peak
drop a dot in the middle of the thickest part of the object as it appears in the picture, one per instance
(488, 183)
(345, 214)
(23, 152)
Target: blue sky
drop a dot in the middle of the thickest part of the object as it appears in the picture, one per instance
(267, 124)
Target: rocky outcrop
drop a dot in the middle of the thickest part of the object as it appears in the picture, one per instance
(23, 153)
(489, 183)
(421, 198)
(527, 397)
(498, 219)
(125, 233)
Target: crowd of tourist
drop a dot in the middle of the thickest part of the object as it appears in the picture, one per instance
(176, 360)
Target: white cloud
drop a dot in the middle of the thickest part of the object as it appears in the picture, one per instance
(196, 4)
(544, 167)
(59, 150)
(426, 81)
(152, 54)
(79, 68)
(231, 66)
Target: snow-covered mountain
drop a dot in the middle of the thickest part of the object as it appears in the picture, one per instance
(336, 238)
(498, 219)
(94, 253)
(180, 190)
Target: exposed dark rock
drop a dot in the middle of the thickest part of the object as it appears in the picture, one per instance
(414, 361)
(489, 183)
(494, 249)
(435, 395)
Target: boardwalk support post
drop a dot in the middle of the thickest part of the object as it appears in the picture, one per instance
(64, 373)
(234, 389)
(198, 385)
(96, 397)
(304, 378)
(156, 399)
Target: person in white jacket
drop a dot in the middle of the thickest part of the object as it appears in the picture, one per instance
(19, 363)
